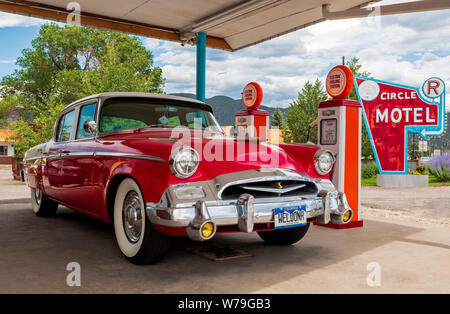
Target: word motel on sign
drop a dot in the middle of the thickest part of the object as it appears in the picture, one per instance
(406, 114)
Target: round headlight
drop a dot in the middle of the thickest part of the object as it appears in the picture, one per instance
(184, 162)
(324, 161)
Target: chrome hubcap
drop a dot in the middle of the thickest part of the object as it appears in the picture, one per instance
(38, 196)
(132, 217)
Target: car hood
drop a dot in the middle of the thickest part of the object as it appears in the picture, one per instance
(218, 153)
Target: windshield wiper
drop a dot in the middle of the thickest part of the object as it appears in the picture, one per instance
(156, 125)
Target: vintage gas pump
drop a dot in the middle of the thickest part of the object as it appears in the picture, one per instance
(339, 130)
(252, 122)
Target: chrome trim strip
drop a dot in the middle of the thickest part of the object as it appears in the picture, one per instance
(79, 154)
(134, 156)
(93, 154)
(163, 139)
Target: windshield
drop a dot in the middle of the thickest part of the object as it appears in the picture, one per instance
(126, 114)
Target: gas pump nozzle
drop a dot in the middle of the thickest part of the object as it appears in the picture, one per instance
(311, 125)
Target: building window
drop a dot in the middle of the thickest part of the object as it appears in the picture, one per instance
(3, 150)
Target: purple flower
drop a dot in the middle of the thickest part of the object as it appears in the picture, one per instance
(439, 162)
(440, 167)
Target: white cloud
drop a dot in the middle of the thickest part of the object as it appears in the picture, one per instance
(14, 20)
(152, 43)
(404, 49)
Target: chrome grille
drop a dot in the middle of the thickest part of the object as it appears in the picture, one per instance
(270, 188)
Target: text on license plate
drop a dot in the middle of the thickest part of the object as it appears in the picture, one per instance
(291, 216)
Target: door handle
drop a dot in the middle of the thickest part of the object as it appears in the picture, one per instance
(62, 151)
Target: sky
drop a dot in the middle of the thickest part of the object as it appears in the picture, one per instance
(405, 49)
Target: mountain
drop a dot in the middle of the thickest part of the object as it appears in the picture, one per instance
(225, 107)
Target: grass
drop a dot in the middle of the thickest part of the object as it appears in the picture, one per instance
(432, 181)
(369, 181)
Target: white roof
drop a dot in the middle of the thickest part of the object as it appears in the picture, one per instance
(229, 24)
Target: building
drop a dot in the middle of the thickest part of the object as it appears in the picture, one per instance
(274, 134)
(441, 142)
(6, 146)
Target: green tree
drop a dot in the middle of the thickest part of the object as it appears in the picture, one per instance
(303, 111)
(366, 147)
(7, 106)
(66, 63)
(277, 119)
(69, 62)
(40, 130)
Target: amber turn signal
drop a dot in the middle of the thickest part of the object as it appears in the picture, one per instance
(347, 216)
(208, 229)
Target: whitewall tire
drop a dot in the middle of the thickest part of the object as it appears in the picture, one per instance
(41, 204)
(138, 241)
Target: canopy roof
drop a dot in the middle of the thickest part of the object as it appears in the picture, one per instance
(229, 24)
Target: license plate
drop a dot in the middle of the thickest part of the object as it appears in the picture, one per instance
(289, 217)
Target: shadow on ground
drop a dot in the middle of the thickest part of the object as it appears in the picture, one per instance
(34, 253)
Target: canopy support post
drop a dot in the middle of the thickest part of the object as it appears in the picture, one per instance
(201, 65)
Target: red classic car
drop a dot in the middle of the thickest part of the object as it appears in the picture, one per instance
(158, 166)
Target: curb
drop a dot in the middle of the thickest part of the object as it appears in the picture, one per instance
(16, 201)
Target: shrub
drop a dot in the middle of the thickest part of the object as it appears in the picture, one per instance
(440, 167)
(421, 169)
(369, 170)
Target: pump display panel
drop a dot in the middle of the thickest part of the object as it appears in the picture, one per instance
(328, 132)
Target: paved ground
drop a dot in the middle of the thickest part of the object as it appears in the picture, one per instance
(412, 251)
(432, 202)
(11, 189)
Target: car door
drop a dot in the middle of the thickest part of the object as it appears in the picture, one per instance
(53, 164)
(78, 186)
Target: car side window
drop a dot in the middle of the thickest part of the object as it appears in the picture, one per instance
(65, 126)
(87, 113)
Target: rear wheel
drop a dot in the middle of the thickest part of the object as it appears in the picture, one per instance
(138, 241)
(41, 204)
(284, 236)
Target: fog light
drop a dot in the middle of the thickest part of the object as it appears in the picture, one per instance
(208, 229)
(347, 216)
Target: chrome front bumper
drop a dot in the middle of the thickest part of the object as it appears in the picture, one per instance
(327, 206)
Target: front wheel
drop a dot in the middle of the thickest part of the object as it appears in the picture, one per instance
(284, 236)
(41, 204)
(138, 241)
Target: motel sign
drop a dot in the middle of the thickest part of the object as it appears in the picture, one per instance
(392, 111)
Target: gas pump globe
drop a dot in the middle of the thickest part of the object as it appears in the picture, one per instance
(252, 123)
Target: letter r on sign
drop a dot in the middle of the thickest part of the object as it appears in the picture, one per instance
(433, 85)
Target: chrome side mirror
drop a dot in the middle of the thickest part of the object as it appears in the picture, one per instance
(90, 127)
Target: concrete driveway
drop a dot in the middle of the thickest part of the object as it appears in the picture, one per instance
(405, 251)
(11, 190)
(34, 253)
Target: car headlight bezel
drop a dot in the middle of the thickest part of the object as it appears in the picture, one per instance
(178, 157)
(323, 161)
